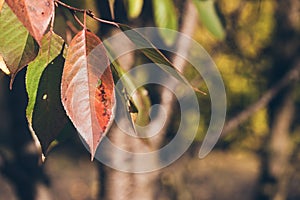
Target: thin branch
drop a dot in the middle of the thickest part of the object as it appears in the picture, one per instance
(84, 19)
(233, 123)
(88, 12)
(78, 20)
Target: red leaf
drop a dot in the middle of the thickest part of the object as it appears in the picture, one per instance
(88, 88)
(34, 14)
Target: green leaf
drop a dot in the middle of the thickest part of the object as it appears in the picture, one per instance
(17, 47)
(165, 16)
(209, 17)
(134, 8)
(44, 112)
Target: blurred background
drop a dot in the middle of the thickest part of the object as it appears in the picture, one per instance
(256, 47)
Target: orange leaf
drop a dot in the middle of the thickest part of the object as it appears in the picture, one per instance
(87, 89)
(34, 14)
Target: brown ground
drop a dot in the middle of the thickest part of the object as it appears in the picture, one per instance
(223, 176)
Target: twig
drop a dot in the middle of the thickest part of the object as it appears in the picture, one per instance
(293, 74)
(88, 12)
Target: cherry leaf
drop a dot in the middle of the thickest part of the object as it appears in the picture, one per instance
(21, 48)
(48, 117)
(87, 88)
(44, 111)
(34, 14)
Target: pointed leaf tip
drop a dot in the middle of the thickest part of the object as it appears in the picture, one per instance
(11, 82)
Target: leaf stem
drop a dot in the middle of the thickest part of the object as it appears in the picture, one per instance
(88, 12)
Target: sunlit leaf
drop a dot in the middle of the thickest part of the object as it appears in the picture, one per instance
(20, 48)
(88, 88)
(210, 19)
(1, 4)
(34, 14)
(165, 16)
(134, 8)
(44, 112)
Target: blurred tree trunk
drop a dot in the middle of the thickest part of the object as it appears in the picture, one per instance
(281, 146)
(284, 52)
(116, 185)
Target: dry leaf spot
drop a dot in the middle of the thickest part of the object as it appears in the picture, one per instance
(103, 99)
